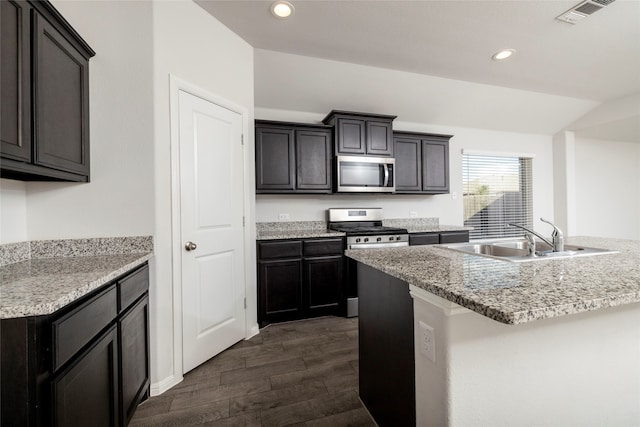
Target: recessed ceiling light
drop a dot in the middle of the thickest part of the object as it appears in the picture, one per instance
(503, 54)
(282, 9)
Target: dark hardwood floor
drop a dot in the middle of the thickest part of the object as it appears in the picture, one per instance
(301, 373)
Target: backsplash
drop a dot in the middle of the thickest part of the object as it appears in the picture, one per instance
(411, 222)
(16, 252)
(262, 227)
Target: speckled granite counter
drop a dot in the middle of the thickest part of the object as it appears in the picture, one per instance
(422, 225)
(57, 273)
(311, 229)
(294, 230)
(516, 293)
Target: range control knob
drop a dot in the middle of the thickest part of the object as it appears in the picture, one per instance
(398, 238)
(379, 239)
(366, 239)
(391, 238)
(358, 240)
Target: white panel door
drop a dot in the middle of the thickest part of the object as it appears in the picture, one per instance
(211, 205)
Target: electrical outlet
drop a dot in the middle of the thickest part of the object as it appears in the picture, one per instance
(283, 216)
(427, 342)
(413, 214)
(454, 195)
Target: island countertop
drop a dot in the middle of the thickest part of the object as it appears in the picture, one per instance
(515, 293)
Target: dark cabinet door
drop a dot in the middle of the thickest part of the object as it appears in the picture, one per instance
(416, 239)
(86, 394)
(379, 138)
(408, 164)
(323, 285)
(61, 97)
(351, 136)
(15, 108)
(435, 166)
(280, 291)
(313, 160)
(275, 159)
(134, 358)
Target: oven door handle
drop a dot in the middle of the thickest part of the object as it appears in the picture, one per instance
(386, 175)
(379, 245)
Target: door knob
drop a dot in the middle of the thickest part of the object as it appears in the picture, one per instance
(190, 246)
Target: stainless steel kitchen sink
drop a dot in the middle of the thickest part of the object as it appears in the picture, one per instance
(516, 250)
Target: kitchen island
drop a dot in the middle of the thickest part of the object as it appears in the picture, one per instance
(551, 342)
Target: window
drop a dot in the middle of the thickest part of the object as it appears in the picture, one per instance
(496, 192)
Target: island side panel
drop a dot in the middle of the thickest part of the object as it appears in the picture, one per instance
(387, 364)
(582, 369)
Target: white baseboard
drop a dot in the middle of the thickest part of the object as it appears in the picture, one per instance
(253, 331)
(164, 385)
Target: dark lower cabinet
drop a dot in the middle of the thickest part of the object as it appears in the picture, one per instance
(44, 130)
(292, 158)
(422, 163)
(133, 330)
(86, 364)
(280, 290)
(86, 393)
(299, 279)
(321, 295)
(435, 238)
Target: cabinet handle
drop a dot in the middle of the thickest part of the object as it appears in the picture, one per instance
(190, 246)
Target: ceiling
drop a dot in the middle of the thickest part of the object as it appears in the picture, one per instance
(596, 59)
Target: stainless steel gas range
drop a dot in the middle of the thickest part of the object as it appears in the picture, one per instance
(364, 230)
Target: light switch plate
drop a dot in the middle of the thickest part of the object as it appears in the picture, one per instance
(283, 216)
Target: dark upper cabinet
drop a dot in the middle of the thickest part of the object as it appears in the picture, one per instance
(362, 133)
(275, 159)
(292, 158)
(15, 123)
(45, 113)
(422, 163)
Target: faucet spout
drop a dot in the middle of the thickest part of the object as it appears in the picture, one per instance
(528, 230)
(557, 236)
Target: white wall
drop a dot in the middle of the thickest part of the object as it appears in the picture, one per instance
(190, 44)
(13, 211)
(607, 191)
(119, 199)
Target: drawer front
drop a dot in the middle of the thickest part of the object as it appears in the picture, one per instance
(322, 247)
(454, 237)
(75, 329)
(132, 287)
(274, 250)
(424, 239)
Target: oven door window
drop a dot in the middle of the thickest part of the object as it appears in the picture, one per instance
(356, 174)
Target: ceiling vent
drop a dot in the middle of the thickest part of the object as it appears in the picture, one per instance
(582, 10)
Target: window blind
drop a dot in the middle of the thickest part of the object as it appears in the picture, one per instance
(496, 191)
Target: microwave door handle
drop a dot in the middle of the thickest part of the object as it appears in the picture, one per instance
(386, 175)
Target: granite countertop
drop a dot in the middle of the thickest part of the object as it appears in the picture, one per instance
(515, 293)
(294, 230)
(311, 229)
(56, 273)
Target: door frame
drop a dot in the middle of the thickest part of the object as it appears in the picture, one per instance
(176, 85)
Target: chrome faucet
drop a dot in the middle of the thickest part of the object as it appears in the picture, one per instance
(557, 238)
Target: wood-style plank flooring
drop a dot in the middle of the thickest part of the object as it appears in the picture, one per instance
(292, 374)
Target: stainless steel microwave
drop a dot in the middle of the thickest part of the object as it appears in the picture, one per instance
(355, 174)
